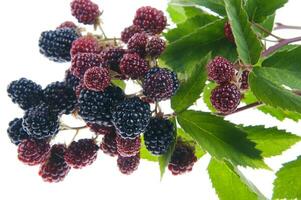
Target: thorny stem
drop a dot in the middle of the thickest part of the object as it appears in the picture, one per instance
(282, 43)
(283, 26)
(267, 31)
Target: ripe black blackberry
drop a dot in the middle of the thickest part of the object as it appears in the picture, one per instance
(111, 57)
(85, 44)
(25, 93)
(183, 158)
(32, 151)
(244, 80)
(220, 70)
(128, 165)
(160, 84)
(40, 122)
(108, 144)
(56, 44)
(71, 80)
(133, 66)
(155, 47)
(100, 129)
(225, 98)
(81, 153)
(85, 11)
(137, 43)
(128, 147)
(150, 20)
(55, 169)
(158, 135)
(81, 62)
(96, 107)
(128, 32)
(228, 32)
(131, 117)
(16, 132)
(60, 97)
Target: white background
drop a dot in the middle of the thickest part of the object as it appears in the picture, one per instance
(21, 24)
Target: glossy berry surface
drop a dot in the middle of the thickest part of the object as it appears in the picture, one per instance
(85, 11)
(128, 147)
(16, 132)
(220, 70)
(127, 165)
(133, 66)
(97, 79)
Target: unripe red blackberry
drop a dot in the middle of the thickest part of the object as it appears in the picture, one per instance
(228, 32)
(155, 46)
(81, 153)
(128, 165)
(84, 61)
(133, 66)
(244, 80)
(100, 129)
(158, 135)
(150, 20)
(55, 169)
(137, 43)
(33, 152)
(85, 11)
(108, 144)
(128, 147)
(85, 44)
(97, 79)
(160, 84)
(67, 24)
(183, 158)
(220, 70)
(225, 98)
(111, 57)
(16, 132)
(128, 32)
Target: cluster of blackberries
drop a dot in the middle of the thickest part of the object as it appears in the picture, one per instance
(88, 92)
(232, 83)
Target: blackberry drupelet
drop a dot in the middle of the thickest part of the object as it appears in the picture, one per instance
(100, 129)
(228, 32)
(220, 70)
(155, 47)
(137, 43)
(127, 165)
(128, 147)
(16, 132)
(111, 57)
(85, 11)
(81, 62)
(97, 79)
(133, 66)
(67, 24)
(108, 144)
(71, 80)
(128, 32)
(85, 44)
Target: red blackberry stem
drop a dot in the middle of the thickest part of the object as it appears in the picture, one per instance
(252, 105)
(267, 31)
(279, 45)
(283, 26)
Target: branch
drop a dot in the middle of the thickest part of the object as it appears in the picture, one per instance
(282, 43)
(252, 105)
(283, 26)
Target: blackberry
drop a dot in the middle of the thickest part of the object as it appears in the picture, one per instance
(95, 107)
(108, 144)
(82, 62)
(85, 11)
(128, 32)
(128, 147)
(183, 158)
(33, 152)
(56, 44)
(155, 47)
(133, 65)
(137, 43)
(244, 80)
(67, 24)
(160, 84)
(100, 129)
(225, 98)
(128, 165)
(131, 117)
(71, 80)
(228, 32)
(159, 135)
(25, 93)
(150, 20)
(55, 169)
(40, 122)
(79, 88)
(16, 132)
(81, 153)
(85, 44)
(111, 57)
(97, 79)
(220, 70)
(60, 98)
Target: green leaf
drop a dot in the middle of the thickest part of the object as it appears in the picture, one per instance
(179, 14)
(214, 5)
(278, 113)
(207, 94)
(145, 154)
(271, 141)
(221, 138)
(258, 10)
(186, 52)
(287, 184)
(189, 26)
(230, 183)
(274, 87)
(119, 83)
(198, 151)
(191, 89)
(268, 24)
(248, 45)
(164, 159)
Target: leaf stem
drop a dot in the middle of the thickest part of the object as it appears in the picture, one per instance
(267, 31)
(283, 26)
(282, 43)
